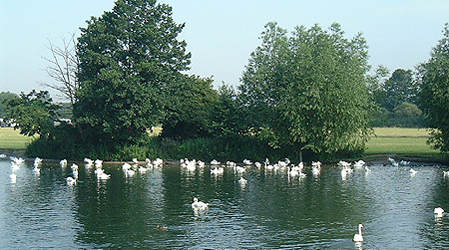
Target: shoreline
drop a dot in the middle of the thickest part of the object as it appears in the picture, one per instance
(372, 158)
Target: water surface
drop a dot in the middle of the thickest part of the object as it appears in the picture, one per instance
(271, 211)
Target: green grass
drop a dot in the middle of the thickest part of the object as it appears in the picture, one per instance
(401, 141)
(12, 139)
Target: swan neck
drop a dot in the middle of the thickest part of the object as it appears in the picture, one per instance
(360, 229)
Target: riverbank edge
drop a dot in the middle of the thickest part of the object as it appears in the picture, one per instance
(369, 158)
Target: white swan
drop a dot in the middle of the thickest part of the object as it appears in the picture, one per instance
(247, 162)
(103, 176)
(413, 172)
(358, 237)
(243, 181)
(37, 162)
(439, 212)
(359, 164)
(71, 181)
(445, 173)
(199, 205)
(98, 163)
(74, 167)
(217, 171)
(214, 162)
(63, 163)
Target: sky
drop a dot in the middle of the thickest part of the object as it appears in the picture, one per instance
(222, 34)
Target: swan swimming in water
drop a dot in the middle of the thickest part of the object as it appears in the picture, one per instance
(439, 212)
(199, 205)
(71, 181)
(358, 237)
(243, 181)
(413, 172)
(63, 163)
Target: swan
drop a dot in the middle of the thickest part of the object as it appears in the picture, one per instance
(446, 173)
(199, 205)
(359, 164)
(240, 170)
(201, 164)
(2, 156)
(243, 181)
(126, 167)
(391, 160)
(143, 170)
(214, 162)
(74, 167)
(37, 162)
(217, 171)
(413, 172)
(17, 161)
(89, 162)
(71, 181)
(103, 176)
(13, 178)
(63, 163)
(404, 163)
(257, 164)
(247, 162)
(358, 237)
(130, 173)
(158, 162)
(135, 161)
(98, 163)
(439, 212)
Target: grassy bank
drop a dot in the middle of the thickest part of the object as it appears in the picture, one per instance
(12, 139)
(409, 142)
(406, 142)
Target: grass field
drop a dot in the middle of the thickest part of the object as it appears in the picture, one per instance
(401, 141)
(11, 139)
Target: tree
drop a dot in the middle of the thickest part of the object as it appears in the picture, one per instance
(128, 58)
(190, 109)
(228, 116)
(308, 90)
(399, 88)
(33, 113)
(407, 115)
(63, 69)
(433, 77)
(4, 98)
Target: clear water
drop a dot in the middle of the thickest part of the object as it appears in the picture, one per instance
(270, 212)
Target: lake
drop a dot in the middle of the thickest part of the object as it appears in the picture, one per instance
(271, 211)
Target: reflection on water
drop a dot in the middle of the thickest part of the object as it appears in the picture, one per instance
(271, 211)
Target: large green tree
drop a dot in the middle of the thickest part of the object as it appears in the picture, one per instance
(33, 113)
(434, 92)
(399, 88)
(128, 58)
(190, 108)
(4, 98)
(309, 89)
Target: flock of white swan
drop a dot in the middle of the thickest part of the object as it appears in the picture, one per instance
(292, 170)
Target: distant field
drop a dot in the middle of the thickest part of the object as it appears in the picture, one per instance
(11, 139)
(401, 141)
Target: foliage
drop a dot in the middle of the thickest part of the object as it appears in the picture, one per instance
(228, 117)
(399, 88)
(309, 89)
(33, 113)
(407, 115)
(434, 92)
(128, 58)
(4, 98)
(190, 107)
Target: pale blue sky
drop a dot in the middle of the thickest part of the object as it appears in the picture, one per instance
(222, 34)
